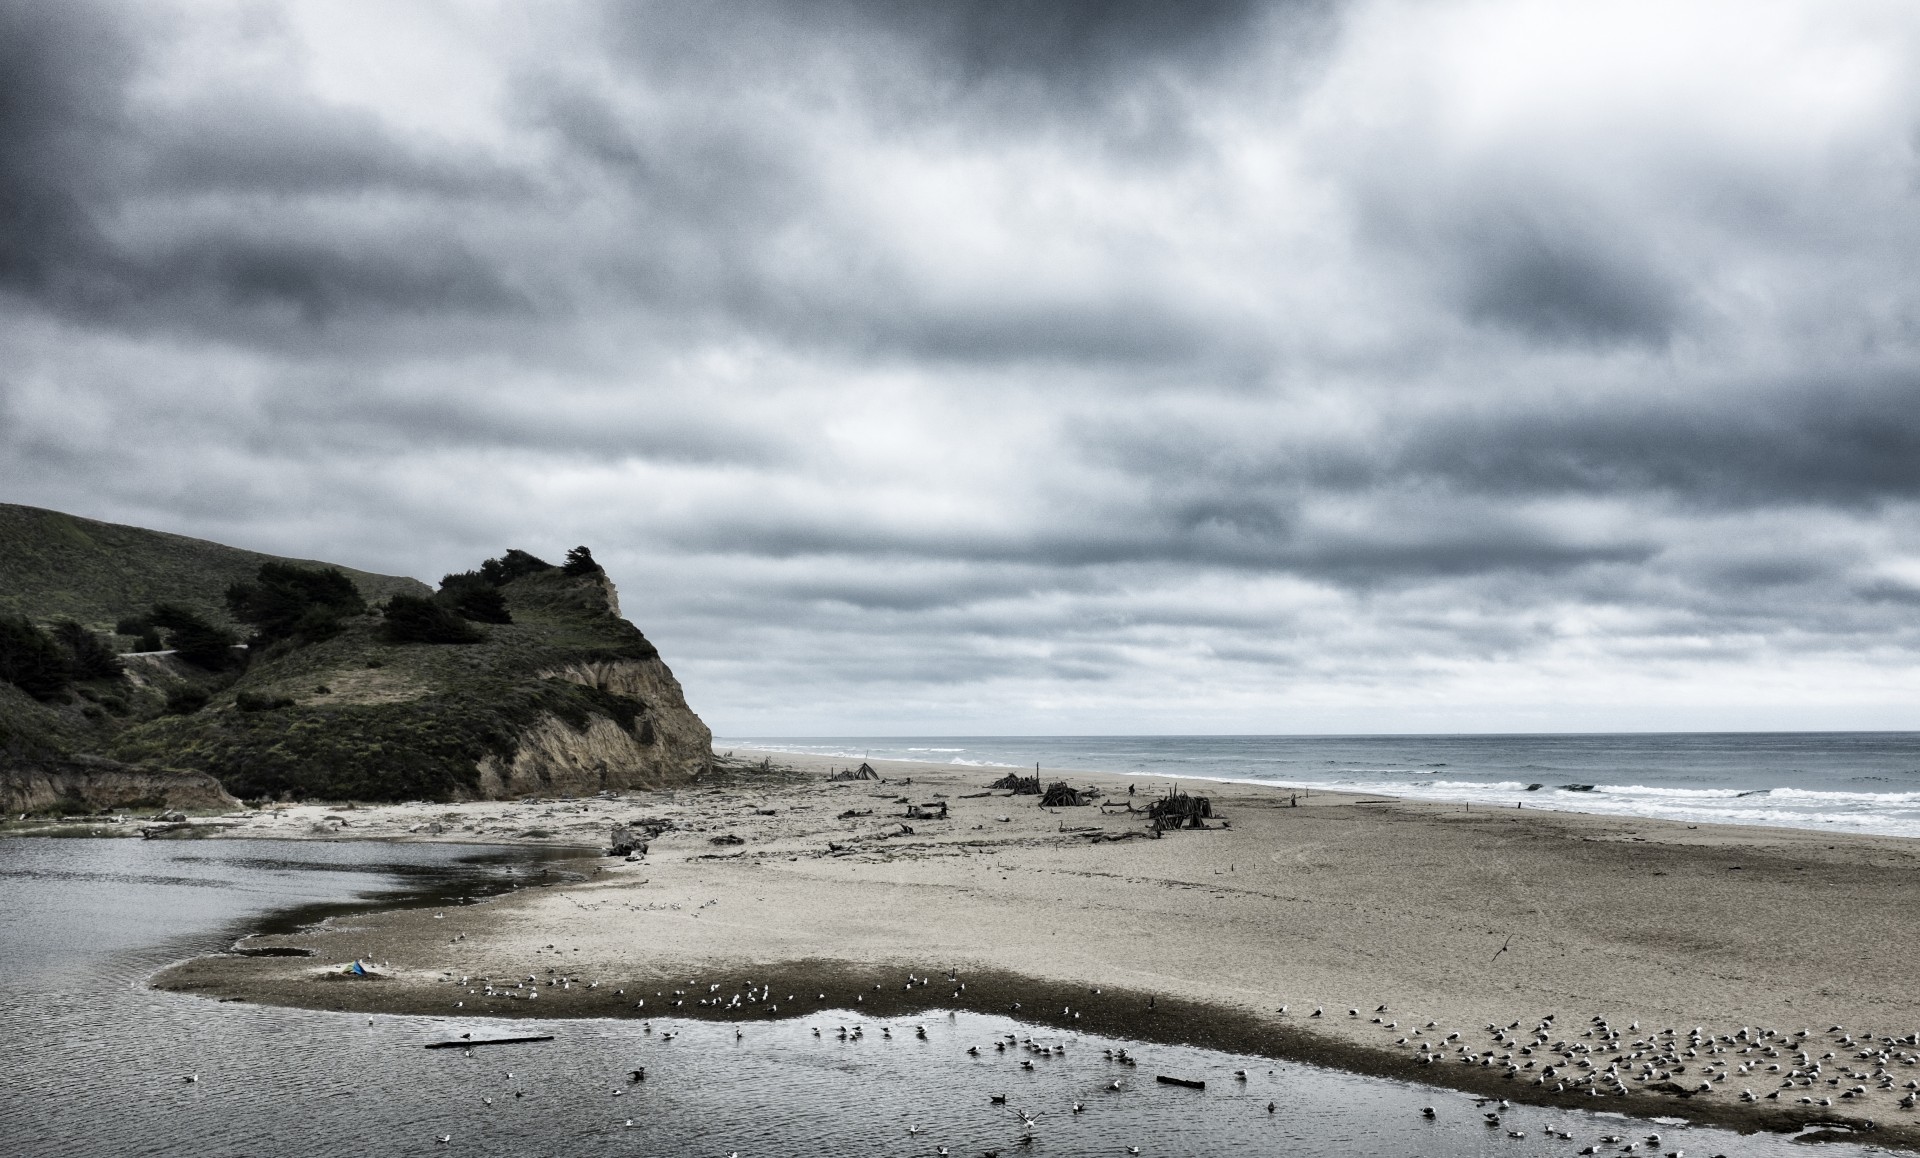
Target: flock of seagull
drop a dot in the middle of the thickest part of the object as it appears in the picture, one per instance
(1601, 1060)
(1597, 1060)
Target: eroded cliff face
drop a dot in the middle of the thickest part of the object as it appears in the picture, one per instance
(666, 745)
(92, 783)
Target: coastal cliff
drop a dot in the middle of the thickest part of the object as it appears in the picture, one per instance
(91, 784)
(518, 678)
(667, 744)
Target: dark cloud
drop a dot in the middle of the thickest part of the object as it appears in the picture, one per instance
(1004, 365)
(62, 68)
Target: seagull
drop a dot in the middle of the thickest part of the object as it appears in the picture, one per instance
(191, 1078)
(443, 1138)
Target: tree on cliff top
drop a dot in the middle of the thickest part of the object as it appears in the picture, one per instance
(580, 562)
(512, 565)
(286, 601)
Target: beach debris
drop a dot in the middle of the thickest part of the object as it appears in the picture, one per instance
(486, 1041)
(864, 772)
(1186, 1083)
(852, 813)
(937, 810)
(726, 838)
(1179, 809)
(1017, 784)
(623, 841)
(1060, 794)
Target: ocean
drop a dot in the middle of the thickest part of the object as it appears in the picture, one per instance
(1866, 782)
(95, 1062)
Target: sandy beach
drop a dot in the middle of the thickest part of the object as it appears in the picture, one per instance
(1593, 962)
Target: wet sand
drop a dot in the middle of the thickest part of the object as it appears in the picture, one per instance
(1465, 919)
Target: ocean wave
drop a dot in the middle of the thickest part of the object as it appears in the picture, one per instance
(1784, 787)
(1864, 797)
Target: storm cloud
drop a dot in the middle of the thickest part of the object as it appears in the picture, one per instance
(1008, 366)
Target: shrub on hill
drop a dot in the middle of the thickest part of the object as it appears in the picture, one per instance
(88, 656)
(30, 659)
(255, 702)
(286, 601)
(473, 597)
(193, 639)
(187, 699)
(411, 619)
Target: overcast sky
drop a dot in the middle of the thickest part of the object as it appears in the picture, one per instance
(1021, 367)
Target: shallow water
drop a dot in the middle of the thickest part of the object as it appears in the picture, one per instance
(95, 1060)
(1865, 782)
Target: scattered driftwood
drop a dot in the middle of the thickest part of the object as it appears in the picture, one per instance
(726, 838)
(1020, 785)
(1177, 809)
(934, 811)
(1097, 836)
(1060, 794)
(974, 795)
(1189, 1083)
(487, 1041)
(864, 772)
(850, 813)
(624, 841)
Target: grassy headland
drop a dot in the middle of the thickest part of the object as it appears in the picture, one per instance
(515, 678)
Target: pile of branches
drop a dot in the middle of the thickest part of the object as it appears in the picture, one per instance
(864, 772)
(1021, 785)
(1178, 810)
(1060, 795)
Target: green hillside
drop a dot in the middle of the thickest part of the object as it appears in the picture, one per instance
(54, 566)
(518, 678)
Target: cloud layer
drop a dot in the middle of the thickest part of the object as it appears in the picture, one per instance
(999, 366)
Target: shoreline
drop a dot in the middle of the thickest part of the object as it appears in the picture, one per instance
(1588, 791)
(1333, 902)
